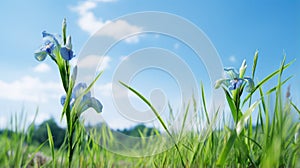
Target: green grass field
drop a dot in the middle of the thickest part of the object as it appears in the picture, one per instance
(273, 141)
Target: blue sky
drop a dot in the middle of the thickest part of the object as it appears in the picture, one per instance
(236, 28)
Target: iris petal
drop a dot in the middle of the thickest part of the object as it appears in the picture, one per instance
(236, 79)
(66, 53)
(40, 55)
(231, 72)
(250, 82)
(63, 99)
(239, 83)
(92, 103)
(86, 102)
(51, 37)
(79, 89)
(235, 83)
(220, 82)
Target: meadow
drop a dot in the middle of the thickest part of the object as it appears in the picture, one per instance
(269, 140)
(273, 141)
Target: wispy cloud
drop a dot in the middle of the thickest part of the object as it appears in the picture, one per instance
(42, 68)
(89, 23)
(119, 29)
(92, 61)
(30, 89)
(119, 91)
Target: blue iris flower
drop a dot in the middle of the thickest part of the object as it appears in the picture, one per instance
(235, 83)
(66, 50)
(86, 102)
(49, 44)
(53, 37)
(235, 80)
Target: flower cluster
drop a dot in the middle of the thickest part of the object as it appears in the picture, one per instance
(76, 99)
(86, 102)
(55, 46)
(59, 48)
(235, 80)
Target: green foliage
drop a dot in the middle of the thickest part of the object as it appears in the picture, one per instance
(40, 133)
(139, 131)
(273, 141)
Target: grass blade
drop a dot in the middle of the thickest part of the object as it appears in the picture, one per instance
(241, 124)
(204, 103)
(254, 63)
(226, 150)
(158, 117)
(266, 79)
(51, 144)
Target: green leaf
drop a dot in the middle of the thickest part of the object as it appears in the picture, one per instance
(265, 80)
(79, 98)
(158, 117)
(184, 120)
(204, 103)
(150, 105)
(241, 145)
(295, 107)
(254, 64)
(231, 104)
(241, 123)
(275, 87)
(67, 101)
(243, 69)
(34, 153)
(51, 144)
(64, 32)
(227, 148)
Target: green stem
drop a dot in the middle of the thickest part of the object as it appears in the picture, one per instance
(237, 105)
(65, 76)
(70, 148)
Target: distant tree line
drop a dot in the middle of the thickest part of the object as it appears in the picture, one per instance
(40, 134)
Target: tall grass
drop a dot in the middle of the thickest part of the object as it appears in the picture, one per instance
(266, 141)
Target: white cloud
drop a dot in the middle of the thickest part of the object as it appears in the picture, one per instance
(42, 68)
(119, 91)
(84, 7)
(41, 117)
(119, 29)
(30, 89)
(89, 23)
(104, 89)
(120, 123)
(232, 59)
(93, 61)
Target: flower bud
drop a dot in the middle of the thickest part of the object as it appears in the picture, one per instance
(64, 28)
(69, 43)
(243, 69)
(219, 83)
